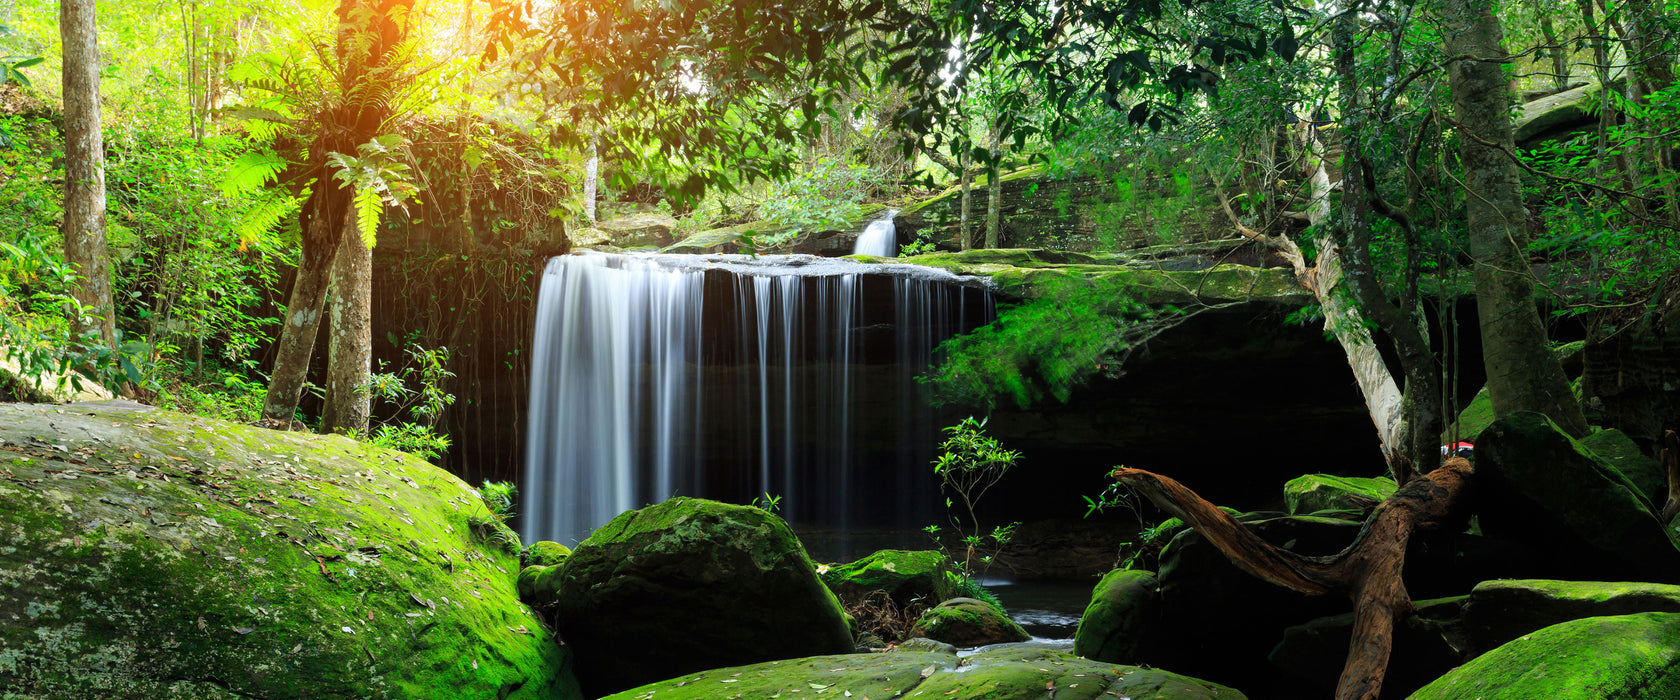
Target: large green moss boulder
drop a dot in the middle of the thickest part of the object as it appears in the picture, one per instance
(1624, 657)
(1538, 484)
(905, 576)
(1125, 610)
(1312, 493)
(691, 584)
(149, 554)
(993, 674)
(1500, 611)
(966, 622)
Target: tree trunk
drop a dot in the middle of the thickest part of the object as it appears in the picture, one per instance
(365, 43)
(591, 181)
(1523, 373)
(325, 216)
(1413, 447)
(1557, 50)
(965, 221)
(350, 334)
(84, 173)
(994, 194)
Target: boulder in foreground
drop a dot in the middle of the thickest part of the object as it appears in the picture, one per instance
(150, 554)
(691, 584)
(995, 674)
(1624, 657)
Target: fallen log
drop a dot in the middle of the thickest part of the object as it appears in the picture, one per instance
(1368, 571)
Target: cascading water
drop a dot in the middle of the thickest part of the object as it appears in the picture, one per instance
(879, 238)
(731, 377)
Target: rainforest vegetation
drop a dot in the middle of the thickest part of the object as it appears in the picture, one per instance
(316, 214)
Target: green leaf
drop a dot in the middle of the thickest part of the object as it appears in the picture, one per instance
(250, 172)
(369, 206)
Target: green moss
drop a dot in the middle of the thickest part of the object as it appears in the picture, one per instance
(546, 553)
(994, 673)
(968, 622)
(181, 552)
(904, 575)
(1311, 493)
(1599, 658)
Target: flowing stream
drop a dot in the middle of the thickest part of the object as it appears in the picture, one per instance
(733, 378)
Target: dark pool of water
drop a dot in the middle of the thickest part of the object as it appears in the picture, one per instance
(1045, 609)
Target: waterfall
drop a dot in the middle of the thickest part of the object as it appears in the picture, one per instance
(731, 377)
(879, 238)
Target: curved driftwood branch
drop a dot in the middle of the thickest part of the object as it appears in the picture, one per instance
(1368, 571)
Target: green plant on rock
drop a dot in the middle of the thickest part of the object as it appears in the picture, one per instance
(419, 399)
(499, 497)
(969, 464)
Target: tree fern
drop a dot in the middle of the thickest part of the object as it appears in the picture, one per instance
(250, 172)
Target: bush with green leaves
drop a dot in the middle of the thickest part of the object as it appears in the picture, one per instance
(969, 464)
(1045, 346)
(827, 196)
(416, 399)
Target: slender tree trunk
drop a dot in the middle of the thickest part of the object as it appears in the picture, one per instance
(350, 334)
(1523, 373)
(1557, 50)
(325, 215)
(965, 222)
(1414, 447)
(994, 194)
(591, 181)
(84, 172)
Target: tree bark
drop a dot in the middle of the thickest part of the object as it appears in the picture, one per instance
(1523, 373)
(994, 194)
(350, 334)
(1557, 50)
(84, 173)
(1368, 571)
(325, 215)
(1413, 446)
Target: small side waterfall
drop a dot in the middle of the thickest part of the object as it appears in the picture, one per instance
(879, 238)
(731, 377)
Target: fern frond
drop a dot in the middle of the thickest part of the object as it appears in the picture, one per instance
(369, 205)
(250, 172)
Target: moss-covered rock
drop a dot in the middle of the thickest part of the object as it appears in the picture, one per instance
(1124, 612)
(539, 585)
(905, 576)
(993, 674)
(966, 622)
(1619, 452)
(1540, 485)
(1312, 493)
(691, 584)
(1500, 611)
(1624, 657)
(546, 553)
(1022, 273)
(148, 554)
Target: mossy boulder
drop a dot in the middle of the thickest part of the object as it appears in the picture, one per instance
(967, 622)
(1623, 657)
(1618, 451)
(629, 231)
(1124, 613)
(992, 674)
(905, 576)
(539, 585)
(546, 553)
(1312, 493)
(1538, 484)
(149, 554)
(691, 584)
(1500, 611)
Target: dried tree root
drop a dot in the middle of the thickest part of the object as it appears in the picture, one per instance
(1368, 571)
